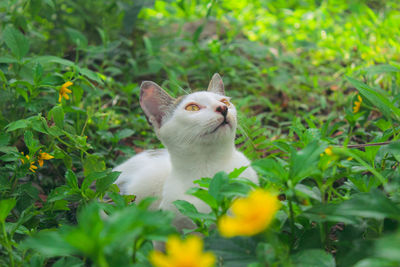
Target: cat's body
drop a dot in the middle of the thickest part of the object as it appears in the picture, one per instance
(198, 131)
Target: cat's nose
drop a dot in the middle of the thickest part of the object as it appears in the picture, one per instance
(222, 109)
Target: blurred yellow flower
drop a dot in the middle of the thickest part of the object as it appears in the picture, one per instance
(32, 167)
(357, 104)
(183, 253)
(64, 91)
(251, 215)
(328, 151)
(43, 156)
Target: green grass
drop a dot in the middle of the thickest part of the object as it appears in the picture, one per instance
(294, 70)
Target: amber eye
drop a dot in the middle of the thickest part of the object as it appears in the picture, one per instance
(192, 107)
(226, 102)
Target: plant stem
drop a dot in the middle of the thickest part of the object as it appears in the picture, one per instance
(7, 245)
(292, 227)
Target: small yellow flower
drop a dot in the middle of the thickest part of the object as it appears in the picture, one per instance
(251, 215)
(357, 104)
(32, 167)
(64, 91)
(328, 151)
(183, 253)
(43, 156)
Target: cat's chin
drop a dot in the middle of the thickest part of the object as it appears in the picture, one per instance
(223, 128)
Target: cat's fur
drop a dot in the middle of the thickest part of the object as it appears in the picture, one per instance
(198, 144)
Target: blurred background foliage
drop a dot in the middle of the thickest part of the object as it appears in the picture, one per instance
(294, 69)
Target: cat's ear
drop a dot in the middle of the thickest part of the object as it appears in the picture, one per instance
(155, 102)
(216, 85)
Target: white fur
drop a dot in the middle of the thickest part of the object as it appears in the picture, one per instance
(195, 149)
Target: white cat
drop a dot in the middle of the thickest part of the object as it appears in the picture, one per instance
(198, 131)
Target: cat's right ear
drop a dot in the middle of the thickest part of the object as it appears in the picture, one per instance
(155, 102)
(216, 85)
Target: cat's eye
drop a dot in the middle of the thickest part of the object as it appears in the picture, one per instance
(192, 107)
(226, 102)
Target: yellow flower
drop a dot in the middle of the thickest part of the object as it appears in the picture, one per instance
(251, 215)
(183, 253)
(32, 167)
(328, 151)
(64, 91)
(43, 156)
(357, 104)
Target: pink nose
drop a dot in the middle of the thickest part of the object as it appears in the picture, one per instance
(222, 109)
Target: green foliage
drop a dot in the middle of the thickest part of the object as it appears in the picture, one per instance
(294, 70)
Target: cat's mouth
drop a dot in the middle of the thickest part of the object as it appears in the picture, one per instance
(221, 125)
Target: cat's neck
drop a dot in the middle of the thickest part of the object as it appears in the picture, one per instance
(204, 159)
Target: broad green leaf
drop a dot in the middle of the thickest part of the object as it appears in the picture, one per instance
(124, 133)
(8, 60)
(216, 184)
(303, 163)
(105, 182)
(380, 101)
(4, 139)
(388, 247)
(6, 205)
(16, 41)
(77, 37)
(49, 243)
(189, 210)
(271, 169)
(57, 113)
(373, 204)
(204, 196)
(71, 179)
(17, 125)
(313, 258)
(234, 252)
(53, 59)
(379, 69)
(90, 75)
(28, 138)
(374, 262)
(93, 163)
(69, 261)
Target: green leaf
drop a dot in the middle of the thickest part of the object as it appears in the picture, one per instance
(49, 243)
(189, 210)
(303, 163)
(373, 204)
(271, 169)
(379, 69)
(57, 113)
(16, 41)
(20, 124)
(93, 163)
(105, 182)
(204, 196)
(28, 138)
(380, 101)
(219, 179)
(77, 37)
(90, 75)
(388, 247)
(313, 257)
(4, 139)
(7, 59)
(234, 252)
(71, 179)
(124, 133)
(53, 59)
(6, 205)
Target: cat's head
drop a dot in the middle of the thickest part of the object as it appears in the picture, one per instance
(204, 117)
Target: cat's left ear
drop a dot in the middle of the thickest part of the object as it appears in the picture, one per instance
(155, 102)
(216, 85)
